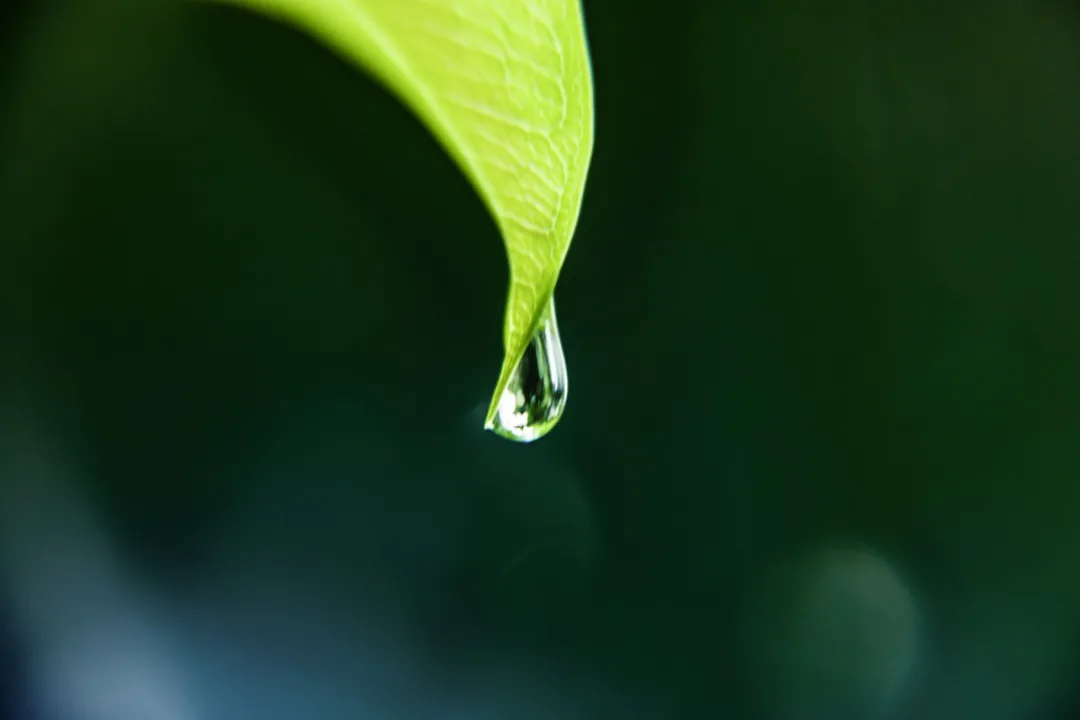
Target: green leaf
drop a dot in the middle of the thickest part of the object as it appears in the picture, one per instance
(506, 87)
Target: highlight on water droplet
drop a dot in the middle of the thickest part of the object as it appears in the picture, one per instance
(535, 397)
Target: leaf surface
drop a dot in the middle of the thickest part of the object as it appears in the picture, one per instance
(506, 87)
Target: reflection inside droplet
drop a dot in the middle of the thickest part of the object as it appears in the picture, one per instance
(535, 397)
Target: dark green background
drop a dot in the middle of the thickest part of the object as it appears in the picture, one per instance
(824, 294)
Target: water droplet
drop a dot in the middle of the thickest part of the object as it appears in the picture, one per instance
(535, 397)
